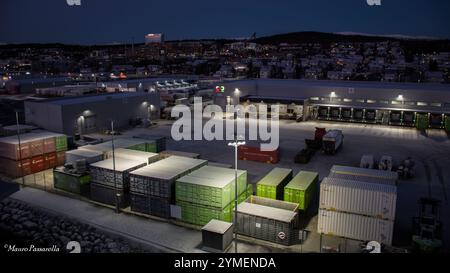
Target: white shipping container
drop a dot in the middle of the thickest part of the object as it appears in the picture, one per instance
(370, 199)
(380, 174)
(135, 155)
(354, 226)
(89, 156)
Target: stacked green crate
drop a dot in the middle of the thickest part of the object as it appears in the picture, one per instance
(213, 172)
(447, 123)
(422, 121)
(272, 185)
(61, 143)
(301, 189)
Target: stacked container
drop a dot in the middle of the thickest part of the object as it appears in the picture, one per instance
(272, 185)
(209, 193)
(38, 151)
(128, 143)
(359, 207)
(73, 182)
(107, 180)
(152, 187)
(267, 219)
(136, 155)
(168, 153)
(301, 189)
(89, 156)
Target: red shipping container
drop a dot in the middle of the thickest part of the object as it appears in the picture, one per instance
(10, 149)
(50, 161)
(13, 169)
(60, 158)
(255, 154)
(37, 147)
(49, 145)
(37, 164)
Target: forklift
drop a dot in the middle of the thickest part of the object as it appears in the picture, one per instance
(427, 227)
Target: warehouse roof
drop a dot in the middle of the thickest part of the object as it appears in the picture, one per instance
(267, 212)
(93, 98)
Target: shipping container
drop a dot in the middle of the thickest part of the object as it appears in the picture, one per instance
(215, 192)
(71, 182)
(272, 185)
(60, 158)
(256, 154)
(368, 175)
(367, 179)
(150, 205)
(200, 215)
(105, 173)
(167, 153)
(14, 168)
(107, 195)
(136, 155)
(90, 157)
(301, 189)
(50, 161)
(213, 171)
(217, 235)
(332, 141)
(267, 223)
(272, 203)
(9, 148)
(158, 179)
(354, 226)
(37, 164)
(370, 199)
(49, 145)
(159, 140)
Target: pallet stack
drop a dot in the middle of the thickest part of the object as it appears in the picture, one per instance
(208, 193)
(38, 151)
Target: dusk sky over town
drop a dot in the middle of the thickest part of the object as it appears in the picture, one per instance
(100, 22)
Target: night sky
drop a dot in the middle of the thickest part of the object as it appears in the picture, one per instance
(109, 21)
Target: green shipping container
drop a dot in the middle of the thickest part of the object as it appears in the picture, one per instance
(139, 147)
(201, 215)
(301, 189)
(249, 190)
(61, 143)
(214, 172)
(422, 121)
(74, 183)
(214, 192)
(272, 185)
(447, 123)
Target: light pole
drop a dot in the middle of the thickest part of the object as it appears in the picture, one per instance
(235, 144)
(117, 194)
(20, 148)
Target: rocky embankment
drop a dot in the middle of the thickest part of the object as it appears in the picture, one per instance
(22, 226)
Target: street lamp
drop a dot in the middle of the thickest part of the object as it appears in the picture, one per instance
(400, 98)
(235, 144)
(332, 95)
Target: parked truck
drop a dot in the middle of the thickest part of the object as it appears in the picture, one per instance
(332, 141)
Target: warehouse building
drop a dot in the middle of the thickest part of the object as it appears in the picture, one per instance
(384, 103)
(88, 114)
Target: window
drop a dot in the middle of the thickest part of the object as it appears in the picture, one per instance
(371, 101)
(421, 103)
(348, 100)
(395, 102)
